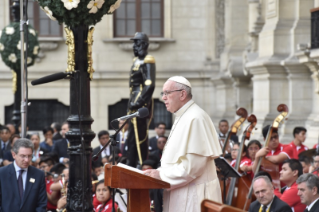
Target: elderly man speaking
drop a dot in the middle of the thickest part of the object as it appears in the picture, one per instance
(188, 156)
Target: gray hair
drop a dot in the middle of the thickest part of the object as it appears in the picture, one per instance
(188, 90)
(37, 134)
(22, 142)
(310, 179)
(267, 180)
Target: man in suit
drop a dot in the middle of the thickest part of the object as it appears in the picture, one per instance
(4, 142)
(223, 130)
(308, 191)
(61, 146)
(22, 187)
(122, 138)
(160, 131)
(266, 200)
(56, 131)
(104, 137)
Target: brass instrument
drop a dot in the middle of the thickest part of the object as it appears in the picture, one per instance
(63, 190)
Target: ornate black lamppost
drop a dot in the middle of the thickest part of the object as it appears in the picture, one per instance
(78, 16)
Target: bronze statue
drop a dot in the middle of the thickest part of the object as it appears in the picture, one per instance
(142, 84)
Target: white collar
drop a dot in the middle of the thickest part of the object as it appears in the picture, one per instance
(17, 168)
(184, 108)
(310, 206)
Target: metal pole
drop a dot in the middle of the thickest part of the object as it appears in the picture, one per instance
(23, 76)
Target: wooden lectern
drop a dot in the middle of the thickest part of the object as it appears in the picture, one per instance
(138, 185)
(211, 206)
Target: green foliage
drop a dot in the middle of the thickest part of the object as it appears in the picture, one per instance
(79, 15)
(10, 46)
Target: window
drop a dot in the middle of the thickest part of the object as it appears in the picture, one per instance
(160, 114)
(44, 26)
(41, 22)
(42, 113)
(139, 16)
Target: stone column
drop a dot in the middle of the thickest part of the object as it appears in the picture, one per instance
(228, 86)
(278, 77)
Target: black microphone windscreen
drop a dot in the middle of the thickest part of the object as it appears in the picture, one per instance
(49, 78)
(143, 112)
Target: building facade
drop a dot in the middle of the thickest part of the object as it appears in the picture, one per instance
(236, 53)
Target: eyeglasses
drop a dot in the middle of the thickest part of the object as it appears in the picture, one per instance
(25, 156)
(166, 93)
(274, 137)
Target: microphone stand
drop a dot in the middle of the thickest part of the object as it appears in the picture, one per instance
(113, 143)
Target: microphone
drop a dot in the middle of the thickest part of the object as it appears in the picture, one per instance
(141, 113)
(50, 78)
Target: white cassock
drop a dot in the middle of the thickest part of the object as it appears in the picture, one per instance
(187, 162)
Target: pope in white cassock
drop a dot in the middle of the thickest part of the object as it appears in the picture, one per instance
(188, 156)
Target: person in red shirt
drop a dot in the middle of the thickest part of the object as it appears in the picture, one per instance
(291, 170)
(253, 147)
(104, 196)
(296, 146)
(245, 161)
(275, 152)
(306, 163)
(45, 164)
(315, 168)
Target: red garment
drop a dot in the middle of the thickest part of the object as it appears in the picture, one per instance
(292, 199)
(296, 150)
(244, 161)
(106, 208)
(50, 206)
(280, 149)
(315, 146)
(233, 163)
(95, 201)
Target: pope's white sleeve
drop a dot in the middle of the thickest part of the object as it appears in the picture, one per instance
(184, 171)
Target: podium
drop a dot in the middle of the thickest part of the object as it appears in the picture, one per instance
(211, 206)
(137, 183)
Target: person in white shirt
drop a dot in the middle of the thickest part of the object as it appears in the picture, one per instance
(188, 157)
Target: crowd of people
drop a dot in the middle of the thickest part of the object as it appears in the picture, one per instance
(299, 181)
(187, 164)
(51, 157)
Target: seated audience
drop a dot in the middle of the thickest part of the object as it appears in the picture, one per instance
(48, 141)
(306, 163)
(291, 170)
(160, 131)
(46, 164)
(156, 155)
(7, 157)
(296, 146)
(275, 152)
(315, 167)
(38, 151)
(104, 196)
(253, 147)
(266, 200)
(244, 159)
